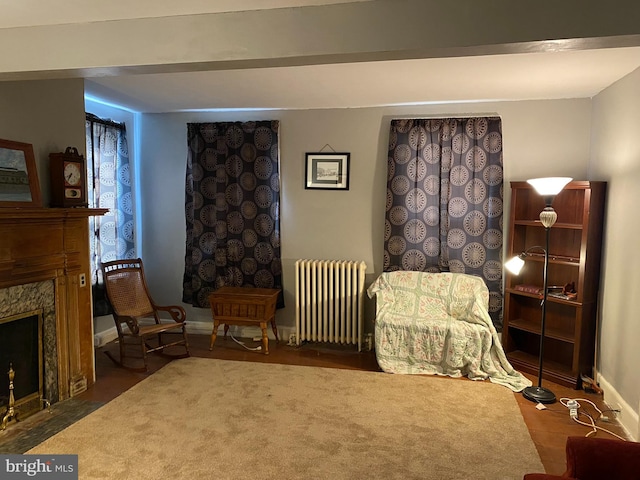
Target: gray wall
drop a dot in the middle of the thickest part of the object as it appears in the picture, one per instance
(49, 114)
(616, 159)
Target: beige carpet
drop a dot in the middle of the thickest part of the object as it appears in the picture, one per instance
(201, 418)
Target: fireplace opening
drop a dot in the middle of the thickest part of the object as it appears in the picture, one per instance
(21, 349)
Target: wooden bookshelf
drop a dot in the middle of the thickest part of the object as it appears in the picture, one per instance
(575, 245)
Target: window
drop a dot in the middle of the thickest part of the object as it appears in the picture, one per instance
(109, 186)
(444, 200)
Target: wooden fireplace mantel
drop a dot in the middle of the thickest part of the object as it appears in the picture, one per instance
(38, 244)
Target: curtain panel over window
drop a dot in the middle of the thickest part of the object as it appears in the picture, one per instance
(111, 236)
(444, 200)
(232, 208)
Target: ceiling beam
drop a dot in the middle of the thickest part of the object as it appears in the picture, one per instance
(338, 33)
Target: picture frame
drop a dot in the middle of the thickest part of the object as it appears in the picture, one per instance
(327, 171)
(19, 185)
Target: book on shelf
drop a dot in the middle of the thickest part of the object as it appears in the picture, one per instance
(561, 295)
(564, 295)
(535, 289)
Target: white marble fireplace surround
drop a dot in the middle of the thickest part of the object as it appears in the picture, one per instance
(35, 296)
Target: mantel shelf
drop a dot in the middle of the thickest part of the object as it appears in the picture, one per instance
(24, 213)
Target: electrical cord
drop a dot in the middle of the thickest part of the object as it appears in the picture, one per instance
(574, 411)
(595, 428)
(253, 349)
(571, 403)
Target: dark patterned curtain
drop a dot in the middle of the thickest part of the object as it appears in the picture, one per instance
(111, 237)
(444, 200)
(232, 208)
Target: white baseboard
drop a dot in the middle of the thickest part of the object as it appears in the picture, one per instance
(199, 328)
(105, 336)
(627, 417)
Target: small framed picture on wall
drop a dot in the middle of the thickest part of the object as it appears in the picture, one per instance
(19, 186)
(328, 171)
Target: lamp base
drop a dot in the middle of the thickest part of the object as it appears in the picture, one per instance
(539, 395)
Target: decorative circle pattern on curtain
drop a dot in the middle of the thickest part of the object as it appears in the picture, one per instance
(444, 200)
(232, 208)
(109, 174)
(111, 236)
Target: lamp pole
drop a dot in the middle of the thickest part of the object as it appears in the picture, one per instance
(548, 217)
(543, 320)
(548, 188)
(539, 393)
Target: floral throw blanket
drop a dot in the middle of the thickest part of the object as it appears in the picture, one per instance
(438, 323)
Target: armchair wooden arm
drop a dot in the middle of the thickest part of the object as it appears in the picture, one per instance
(177, 312)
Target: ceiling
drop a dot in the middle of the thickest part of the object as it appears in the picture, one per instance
(571, 74)
(514, 76)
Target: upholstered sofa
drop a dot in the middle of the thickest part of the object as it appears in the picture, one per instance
(438, 323)
(598, 459)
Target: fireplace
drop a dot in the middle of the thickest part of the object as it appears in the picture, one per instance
(21, 354)
(44, 267)
(27, 341)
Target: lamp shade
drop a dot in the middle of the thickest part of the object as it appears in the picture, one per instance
(515, 264)
(549, 185)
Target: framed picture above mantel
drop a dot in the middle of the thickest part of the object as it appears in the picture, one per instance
(19, 186)
(328, 171)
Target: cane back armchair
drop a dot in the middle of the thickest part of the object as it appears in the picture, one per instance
(139, 320)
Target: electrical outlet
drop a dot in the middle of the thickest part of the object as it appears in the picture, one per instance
(368, 342)
(616, 410)
(83, 280)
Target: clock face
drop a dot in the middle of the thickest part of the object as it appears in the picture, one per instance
(72, 173)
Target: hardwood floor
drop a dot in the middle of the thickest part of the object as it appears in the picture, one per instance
(549, 428)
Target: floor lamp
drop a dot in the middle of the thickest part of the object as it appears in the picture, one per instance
(548, 188)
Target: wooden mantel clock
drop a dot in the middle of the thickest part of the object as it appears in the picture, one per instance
(68, 173)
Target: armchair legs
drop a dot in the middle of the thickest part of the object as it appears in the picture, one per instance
(145, 348)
